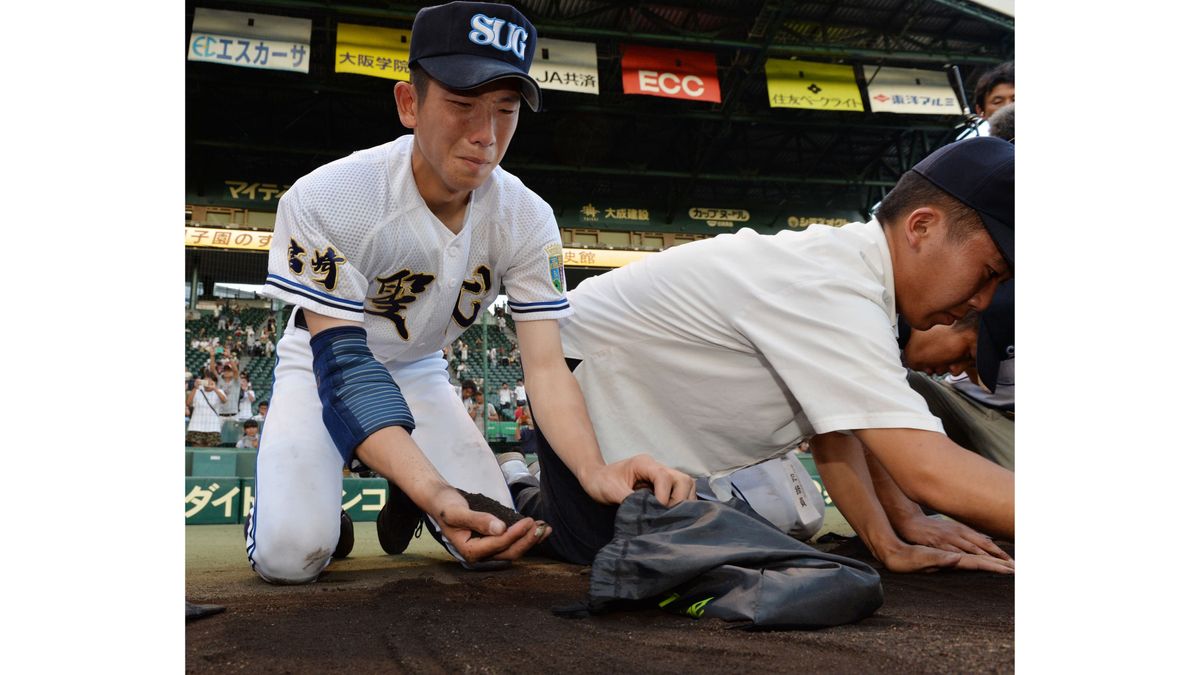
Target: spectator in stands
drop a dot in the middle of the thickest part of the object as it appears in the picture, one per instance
(996, 88)
(505, 396)
(519, 391)
(229, 383)
(262, 412)
(468, 394)
(249, 437)
(515, 356)
(204, 425)
(246, 402)
(492, 356)
(461, 370)
(268, 345)
(461, 348)
(222, 321)
(477, 411)
(526, 435)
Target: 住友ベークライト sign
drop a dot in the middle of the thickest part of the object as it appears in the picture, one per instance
(810, 85)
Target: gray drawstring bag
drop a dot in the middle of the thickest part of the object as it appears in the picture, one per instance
(705, 558)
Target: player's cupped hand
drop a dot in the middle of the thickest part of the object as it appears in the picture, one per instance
(481, 536)
(948, 535)
(612, 483)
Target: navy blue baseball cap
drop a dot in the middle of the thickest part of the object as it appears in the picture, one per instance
(979, 173)
(465, 45)
(997, 338)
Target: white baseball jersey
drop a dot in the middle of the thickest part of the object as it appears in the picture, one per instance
(354, 240)
(721, 353)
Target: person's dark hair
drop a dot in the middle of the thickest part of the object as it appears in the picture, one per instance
(249, 423)
(419, 79)
(1005, 73)
(914, 191)
(262, 403)
(1003, 122)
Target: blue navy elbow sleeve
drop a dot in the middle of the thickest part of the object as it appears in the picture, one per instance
(358, 395)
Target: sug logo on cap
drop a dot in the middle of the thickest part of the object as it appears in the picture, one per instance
(488, 31)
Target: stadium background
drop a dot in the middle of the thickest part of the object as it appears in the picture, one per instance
(626, 175)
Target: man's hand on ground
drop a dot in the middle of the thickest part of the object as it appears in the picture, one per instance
(907, 558)
(612, 483)
(481, 536)
(948, 535)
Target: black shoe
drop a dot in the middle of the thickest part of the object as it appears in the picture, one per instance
(346, 538)
(398, 521)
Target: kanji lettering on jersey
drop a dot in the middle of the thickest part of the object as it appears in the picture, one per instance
(326, 262)
(396, 292)
(296, 254)
(478, 285)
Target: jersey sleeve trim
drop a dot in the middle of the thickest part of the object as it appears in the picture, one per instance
(547, 306)
(540, 314)
(314, 295)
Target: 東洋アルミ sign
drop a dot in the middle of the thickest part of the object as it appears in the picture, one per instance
(908, 90)
(670, 73)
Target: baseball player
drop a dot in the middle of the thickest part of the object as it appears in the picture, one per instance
(389, 254)
(725, 353)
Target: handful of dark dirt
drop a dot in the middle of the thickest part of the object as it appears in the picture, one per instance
(485, 504)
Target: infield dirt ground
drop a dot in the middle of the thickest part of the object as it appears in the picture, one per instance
(422, 613)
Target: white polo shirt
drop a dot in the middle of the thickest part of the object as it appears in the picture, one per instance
(726, 352)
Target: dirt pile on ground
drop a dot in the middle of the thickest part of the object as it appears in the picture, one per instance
(436, 617)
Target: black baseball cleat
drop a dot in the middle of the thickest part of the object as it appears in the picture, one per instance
(398, 521)
(345, 538)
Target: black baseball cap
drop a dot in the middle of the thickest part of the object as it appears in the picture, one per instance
(464, 45)
(979, 173)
